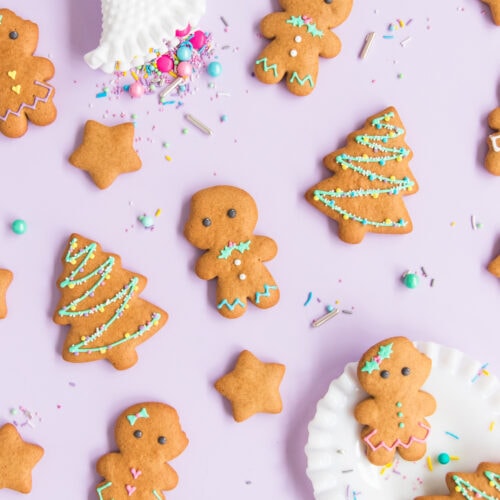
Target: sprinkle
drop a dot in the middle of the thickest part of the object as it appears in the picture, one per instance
(134, 75)
(481, 371)
(388, 37)
(347, 470)
(366, 46)
(385, 467)
(432, 282)
(171, 87)
(454, 457)
(101, 94)
(473, 222)
(309, 297)
(223, 118)
(346, 311)
(424, 274)
(405, 42)
(198, 124)
(325, 318)
(429, 463)
(224, 22)
(454, 436)
(329, 308)
(340, 451)
(401, 23)
(168, 158)
(492, 426)
(158, 212)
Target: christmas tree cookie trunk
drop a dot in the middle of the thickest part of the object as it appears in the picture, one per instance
(482, 484)
(100, 301)
(370, 177)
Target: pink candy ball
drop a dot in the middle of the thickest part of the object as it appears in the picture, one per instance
(136, 89)
(165, 64)
(198, 39)
(184, 69)
(184, 32)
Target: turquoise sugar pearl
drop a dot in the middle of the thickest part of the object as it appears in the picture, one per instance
(214, 68)
(19, 226)
(443, 458)
(411, 280)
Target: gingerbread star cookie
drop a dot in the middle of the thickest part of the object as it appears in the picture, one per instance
(495, 10)
(252, 386)
(494, 267)
(5, 280)
(106, 152)
(17, 459)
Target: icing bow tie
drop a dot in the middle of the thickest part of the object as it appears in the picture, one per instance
(141, 414)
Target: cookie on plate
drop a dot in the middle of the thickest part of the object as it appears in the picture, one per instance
(392, 372)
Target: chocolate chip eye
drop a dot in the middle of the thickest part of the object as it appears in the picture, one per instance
(162, 440)
(231, 213)
(384, 373)
(13, 35)
(328, 1)
(138, 434)
(206, 222)
(405, 371)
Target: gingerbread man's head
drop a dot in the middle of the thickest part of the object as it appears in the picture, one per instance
(393, 368)
(150, 430)
(219, 215)
(18, 37)
(329, 13)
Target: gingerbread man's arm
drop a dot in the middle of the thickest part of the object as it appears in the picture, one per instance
(107, 464)
(169, 479)
(207, 267)
(494, 119)
(426, 402)
(366, 411)
(330, 45)
(45, 67)
(271, 25)
(264, 247)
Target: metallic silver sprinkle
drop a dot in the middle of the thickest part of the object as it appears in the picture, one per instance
(366, 46)
(198, 124)
(325, 318)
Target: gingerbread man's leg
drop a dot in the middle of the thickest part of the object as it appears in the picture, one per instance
(302, 72)
(230, 306)
(414, 452)
(267, 295)
(381, 456)
(268, 67)
(44, 113)
(14, 126)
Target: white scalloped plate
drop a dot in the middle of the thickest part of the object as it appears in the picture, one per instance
(466, 425)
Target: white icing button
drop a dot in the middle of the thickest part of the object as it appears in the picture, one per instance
(242, 276)
(298, 38)
(293, 53)
(237, 262)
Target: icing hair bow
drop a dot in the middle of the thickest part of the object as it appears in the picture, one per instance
(141, 414)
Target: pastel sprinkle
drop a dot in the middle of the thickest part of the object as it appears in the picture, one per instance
(429, 463)
(101, 94)
(309, 297)
(492, 426)
(454, 436)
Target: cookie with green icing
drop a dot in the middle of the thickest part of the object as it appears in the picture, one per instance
(371, 175)
(221, 222)
(299, 36)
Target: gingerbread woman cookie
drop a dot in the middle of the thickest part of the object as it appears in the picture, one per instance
(492, 161)
(148, 435)
(25, 94)
(222, 221)
(300, 36)
(392, 372)
(495, 10)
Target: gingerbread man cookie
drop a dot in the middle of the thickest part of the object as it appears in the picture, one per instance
(492, 161)
(6, 277)
(300, 36)
(392, 372)
(148, 435)
(222, 221)
(495, 10)
(494, 267)
(25, 94)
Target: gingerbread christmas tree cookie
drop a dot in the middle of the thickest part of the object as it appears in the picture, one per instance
(483, 484)
(100, 301)
(492, 161)
(25, 94)
(495, 10)
(370, 177)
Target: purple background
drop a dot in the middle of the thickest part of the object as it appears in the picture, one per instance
(271, 145)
